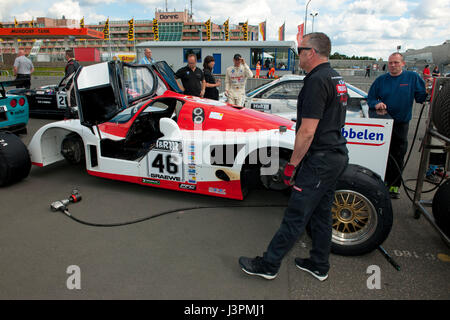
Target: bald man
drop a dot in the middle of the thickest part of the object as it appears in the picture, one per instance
(23, 68)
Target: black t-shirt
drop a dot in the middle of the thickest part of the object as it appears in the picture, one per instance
(210, 93)
(324, 96)
(192, 80)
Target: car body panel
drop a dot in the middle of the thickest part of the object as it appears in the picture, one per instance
(13, 115)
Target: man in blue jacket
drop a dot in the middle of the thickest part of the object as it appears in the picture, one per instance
(395, 92)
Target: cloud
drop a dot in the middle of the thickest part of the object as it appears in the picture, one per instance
(68, 8)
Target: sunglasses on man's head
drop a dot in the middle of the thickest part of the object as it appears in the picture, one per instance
(299, 49)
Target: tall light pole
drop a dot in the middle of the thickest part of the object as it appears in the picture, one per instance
(313, 15)
(306, 16)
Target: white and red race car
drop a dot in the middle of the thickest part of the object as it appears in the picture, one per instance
(135, 125)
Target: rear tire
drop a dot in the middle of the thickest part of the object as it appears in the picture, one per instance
(15, 163)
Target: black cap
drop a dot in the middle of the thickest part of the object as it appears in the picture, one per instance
(237, 56)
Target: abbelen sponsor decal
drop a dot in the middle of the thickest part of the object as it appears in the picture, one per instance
(363, 136)
(150, 181)
(166, 145)
(187, 186)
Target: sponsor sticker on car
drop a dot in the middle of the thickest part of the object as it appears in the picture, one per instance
(186, 186)
(261, 106)
(165, 161)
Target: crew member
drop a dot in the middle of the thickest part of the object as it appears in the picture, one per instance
(395, 92)
(23, 68)
(72, 64)
(192, 78)
(320, 155)
(235, 80)
(258, 70)
(71, 67)
(147, 59)
(211, 91)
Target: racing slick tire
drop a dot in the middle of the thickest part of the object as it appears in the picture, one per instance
(361, 212)
(441, 207)
(72, 149)
(441, 110)
(15, 162)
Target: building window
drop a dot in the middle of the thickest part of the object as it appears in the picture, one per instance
(271, 57)
(196, 51)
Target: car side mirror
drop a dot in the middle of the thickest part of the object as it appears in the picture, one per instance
(169, 128)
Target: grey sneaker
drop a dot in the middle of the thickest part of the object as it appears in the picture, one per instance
(308, 266)
(256, 267)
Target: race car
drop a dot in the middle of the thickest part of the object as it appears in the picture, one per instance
(13, 109)
(50, 100)
(135, 125)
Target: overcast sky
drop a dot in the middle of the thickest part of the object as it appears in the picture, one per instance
(356, 27)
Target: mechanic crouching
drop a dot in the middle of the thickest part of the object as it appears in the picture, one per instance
(320, 156)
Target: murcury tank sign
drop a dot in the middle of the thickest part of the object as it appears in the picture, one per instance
(364, 134)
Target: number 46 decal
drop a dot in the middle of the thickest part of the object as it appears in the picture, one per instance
(165, 164)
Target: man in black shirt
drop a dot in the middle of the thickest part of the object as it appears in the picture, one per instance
(320, 155)
(72, 64)
(192, 78)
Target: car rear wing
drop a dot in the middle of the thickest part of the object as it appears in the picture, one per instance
(10, 83)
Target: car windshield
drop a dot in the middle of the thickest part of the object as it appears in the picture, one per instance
(138, 82)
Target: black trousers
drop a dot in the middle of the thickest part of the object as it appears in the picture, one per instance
(311, 199)
(397, 151)
(27, 79)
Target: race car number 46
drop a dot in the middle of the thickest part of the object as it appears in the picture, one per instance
(165, 166)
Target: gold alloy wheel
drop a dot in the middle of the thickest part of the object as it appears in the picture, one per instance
(354, 218)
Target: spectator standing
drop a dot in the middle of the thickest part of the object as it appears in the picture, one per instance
(235, 80)
(426, 73)
(395, 92)
(211, 91)
(367, 71)
(23, 68)
(192, 78)
(147, 59)
(436, 72)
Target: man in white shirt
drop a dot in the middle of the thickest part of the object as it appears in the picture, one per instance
(23, 68)
(235, 80)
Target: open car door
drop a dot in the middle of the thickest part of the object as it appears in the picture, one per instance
(167, 75)
(104, 89)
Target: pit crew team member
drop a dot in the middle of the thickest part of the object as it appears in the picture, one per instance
(395, 92)
(23, 68)
(235, 80)
(147, 59)
(192, 78)
(211, 91)
(71, 67)
(320, 155)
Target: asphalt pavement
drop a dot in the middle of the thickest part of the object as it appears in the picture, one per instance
(189, 254)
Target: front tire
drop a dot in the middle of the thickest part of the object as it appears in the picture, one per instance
(361, 212)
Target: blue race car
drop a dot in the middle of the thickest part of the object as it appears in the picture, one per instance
(14, 111)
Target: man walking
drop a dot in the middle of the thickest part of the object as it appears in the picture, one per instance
(235, 80)
(319, 157)
(147, 59)
(192, 78)
(23, 68)
(395, 92)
